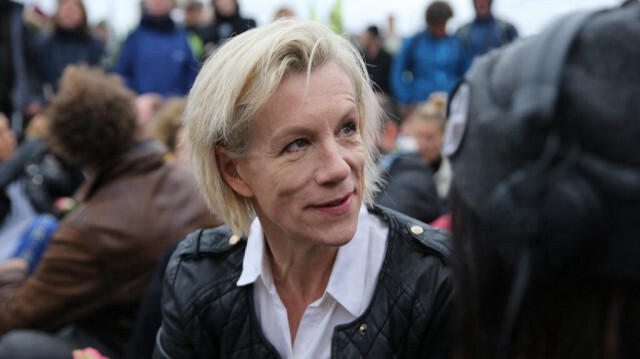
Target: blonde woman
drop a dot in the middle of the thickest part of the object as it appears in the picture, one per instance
(427, 127)
(282, 124)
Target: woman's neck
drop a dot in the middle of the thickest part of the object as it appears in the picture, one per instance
(303, 266)
(301, 273)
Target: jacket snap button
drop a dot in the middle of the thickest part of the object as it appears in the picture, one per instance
(417, 229)
(363, 328)
(234, 240)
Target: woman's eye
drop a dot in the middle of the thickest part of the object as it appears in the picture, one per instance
(296, 145)
(349, 128)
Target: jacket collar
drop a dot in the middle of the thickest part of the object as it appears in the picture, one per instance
(142, 158)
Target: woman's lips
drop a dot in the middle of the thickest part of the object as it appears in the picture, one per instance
(335, 207)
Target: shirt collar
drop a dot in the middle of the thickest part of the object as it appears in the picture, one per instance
(347, 281)
(254, 262)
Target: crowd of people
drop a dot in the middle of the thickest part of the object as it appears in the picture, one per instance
(286, 191)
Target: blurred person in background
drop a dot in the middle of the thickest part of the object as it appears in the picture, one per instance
(156, 57)
(70, 43)
(282, 122)
(147, 106)
(486, 32)
(167, 128)
(32, 182)
(391, 40)
(429, 61)
(18, 76)
(543, 142)
(283, 12)
(409, 187)
(193, 11)
(8, 141)
(427, 125)
(378, 60)
(227, 22)
(86, 289)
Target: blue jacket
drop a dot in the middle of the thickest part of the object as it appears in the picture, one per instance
(484, 34)
(156, 57)
(435, 64)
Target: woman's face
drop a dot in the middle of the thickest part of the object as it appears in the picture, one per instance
(7, 139)
(158, 8)
(304, 170)
(226, 7)
(428, 135)
(70, 14)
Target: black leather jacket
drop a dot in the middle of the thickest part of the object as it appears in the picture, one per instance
(206, 315)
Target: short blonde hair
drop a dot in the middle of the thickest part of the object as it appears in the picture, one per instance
(238, 80)
(167, 121)
(434, 110)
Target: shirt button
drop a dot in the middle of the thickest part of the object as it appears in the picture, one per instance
(234, 240)
(417, 229)
(362, 329)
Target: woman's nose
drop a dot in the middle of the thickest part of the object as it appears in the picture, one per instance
(333, 164)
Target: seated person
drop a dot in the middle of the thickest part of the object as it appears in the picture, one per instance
(409, 186)
(166, 127)
(31, 182)
(543, 141)
(427, 127)
(132, 206)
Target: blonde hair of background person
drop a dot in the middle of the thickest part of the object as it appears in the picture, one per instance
(252, 68)
(427, 127)
(166, 123)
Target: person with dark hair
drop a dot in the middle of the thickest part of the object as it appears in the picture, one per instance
(227, 22)
(132, 206)
(378, 60)
(543, 141)
(486, 32)
(157, 57)
(429, 61)
(70, 43)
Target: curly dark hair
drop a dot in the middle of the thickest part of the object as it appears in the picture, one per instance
(438, 13)
(93, 118)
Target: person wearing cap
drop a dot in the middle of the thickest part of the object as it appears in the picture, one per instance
(486, 32)
(430, 61)
(543, 141)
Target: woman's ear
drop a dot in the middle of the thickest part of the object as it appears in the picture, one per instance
(228, 167)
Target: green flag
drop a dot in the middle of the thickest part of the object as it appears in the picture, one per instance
(336, 17)
(313, 14)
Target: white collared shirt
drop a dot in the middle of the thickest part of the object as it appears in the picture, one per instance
(348, 293)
